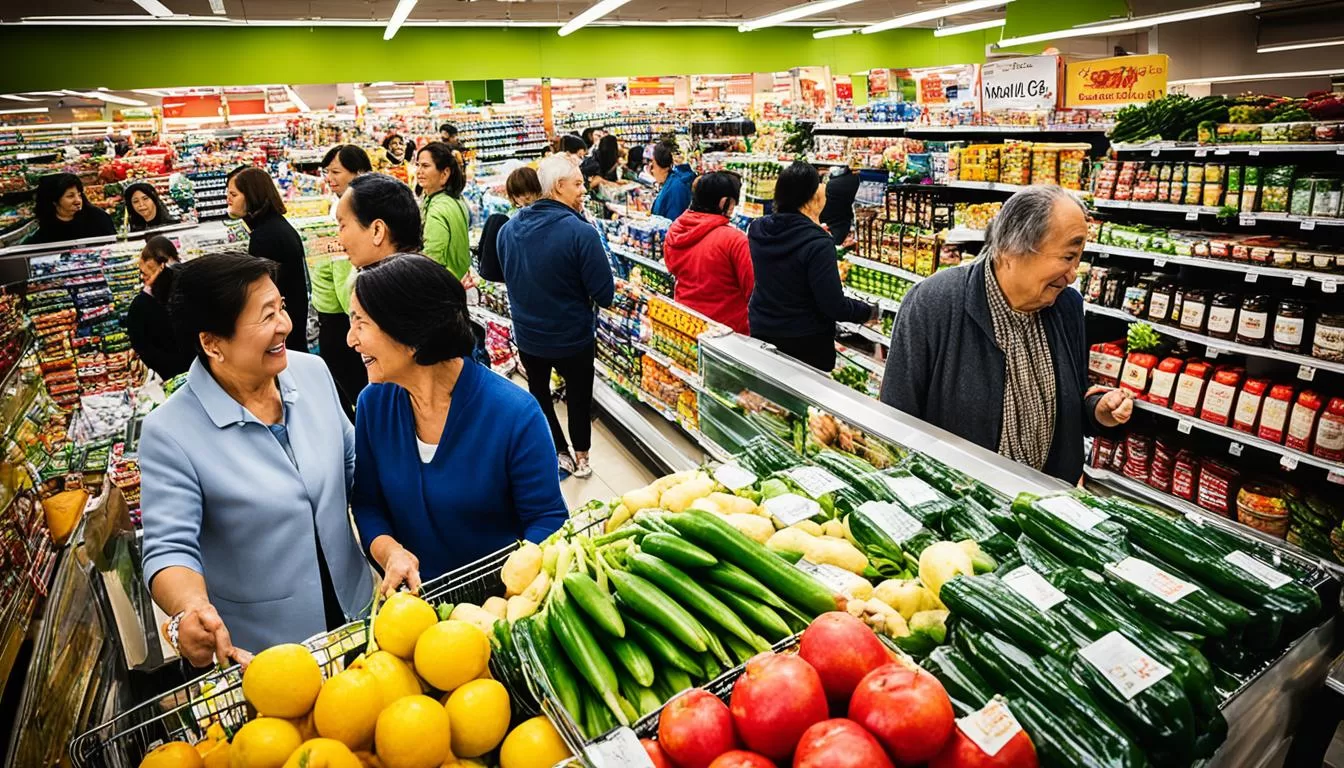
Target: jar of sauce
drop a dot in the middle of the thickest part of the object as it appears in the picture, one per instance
(1328, 343)
(1159, 301)
(1222, 319)
(1195, 310)
(1290, 326)
(1253, 321)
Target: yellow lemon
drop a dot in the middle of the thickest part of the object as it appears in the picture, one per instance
(347, 708)
(307, 729)
(479, 712)
(395, 677)
(450, 653)
(399, 623)
(282, 681)
(533, 744)
(413, 733)
(217, 756)
(174, 754)
(264, 743)
(322, 753)
(216, 732)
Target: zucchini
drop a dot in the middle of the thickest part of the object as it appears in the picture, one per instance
(634, 661)
(886, 542)
(988, 602)
(653, 604)
(760, 616)
(660, 646)
(676, 551)
(1159, 717)
(1091, 548)
(731, 577)
(583, 650)
(1042, 560)
(598, 605)
(858, 474)
(1179, 616)
(1235, 616)
(965, 520)
(697, 598)
(964, 685)
(950, 482)
(553, 666)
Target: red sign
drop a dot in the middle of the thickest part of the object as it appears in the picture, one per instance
(652, 86)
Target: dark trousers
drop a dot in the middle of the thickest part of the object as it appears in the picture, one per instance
(577, 371)
(816, 351)
(345, 364)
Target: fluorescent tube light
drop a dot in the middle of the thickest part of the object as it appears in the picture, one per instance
(1261, 76)
(12, 97)
(597, 11)
(933, 14)
(109, 98)
(964, 28)
(837, 32)
(28, 111)
(217, 7)
(398, 17)
(151, 92)
(154, 8)
(45, 93)
(1142, 22)
(298, 102)
(1297, 46)
(793, 14)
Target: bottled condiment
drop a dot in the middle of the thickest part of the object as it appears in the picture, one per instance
(1194, 310)
(1328, 343)
(1222, 320)
(1177, 304)
(1253, 320)
(1290, 325)
(1159, 302)
(1330, 431)
(1302, 422)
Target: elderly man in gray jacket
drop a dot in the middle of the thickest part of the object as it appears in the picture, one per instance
(996, 352)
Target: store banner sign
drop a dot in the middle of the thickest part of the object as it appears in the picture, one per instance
(1030, 83)
(1120, 80)
(653, 86)
(947, 87)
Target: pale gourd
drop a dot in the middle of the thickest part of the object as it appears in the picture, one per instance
(475, 614)
(521, 568)
(642, 498)
(537, 589)
(708, 505)
(731, 504)
(754, 527)
(835, 529)
(791, 540)
(908, 596)
(808, 527)
(942, 560)
(837, 552)
(679, 497)
(519, 607)
(496, 605)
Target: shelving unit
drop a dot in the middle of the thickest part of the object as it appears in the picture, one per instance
(1155, 149)
(890, 270)
(886, 304)
(913, 128)
(1193, 212)
(1327, 280)
(868, 333)
(626, 253)
(1289, 457)
(994, 186)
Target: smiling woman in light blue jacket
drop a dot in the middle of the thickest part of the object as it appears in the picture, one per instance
(245, 473)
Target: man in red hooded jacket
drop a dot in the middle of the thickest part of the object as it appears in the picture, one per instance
(708, 256)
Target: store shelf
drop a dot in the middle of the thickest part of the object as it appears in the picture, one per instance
(1244, 219)
(626, 253)
(483, 315)
(1298, 276)
(1132, 205)
(848, 354)
(965, 236)
(691, 379)
(1202, 150)
(1220, 346)
(994, 186)
(886, 304)
(912, 128)
(870, 334)
(890, 270)
(654, 442)
(1290, 458)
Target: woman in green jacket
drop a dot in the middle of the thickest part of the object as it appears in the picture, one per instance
(444, 212)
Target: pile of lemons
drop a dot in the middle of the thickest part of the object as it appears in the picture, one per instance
(378, 713)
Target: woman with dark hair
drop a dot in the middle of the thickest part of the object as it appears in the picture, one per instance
(395, 147)
(573, 146)
(523, 188)
(275, 416)
(454, 461)
(634, 165)
(797, 299)
(343, 164)
(64, 213)
(604, 165)
(147, 320)
(674, 194)
(253, 197)
(144, 209)
(708, 256)
(445, 215)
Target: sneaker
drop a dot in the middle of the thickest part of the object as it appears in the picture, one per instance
(582, 468)
(567, 466)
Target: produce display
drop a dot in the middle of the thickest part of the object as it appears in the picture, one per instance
(1262, 250)
(1218, 119)
(1022, 163)
(873, 282)
(1175, 118)
(1232, 188)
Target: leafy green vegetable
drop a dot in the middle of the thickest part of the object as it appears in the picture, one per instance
(1142, 337)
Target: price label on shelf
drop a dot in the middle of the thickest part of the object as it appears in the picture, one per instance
(734, 477)
(1335, 476)
(1258, 570)
(1306, 372)
(1031, 585)
(1299, 280)
(1184, 425)
(1201, 153)
(911, 490)
(1151, 578)
(1194, 518)
(832, 577)
(1329, 286)
(1254, 153)
(1163, 262)
(1192, 215)
(1251, 277)
(791, 508)
(1155, 152)
(1073, 511)
(894, 521)
(990, 728)
(1288, 462)
(1234, 448)
(1212, 352)
(1308, 224)
(618, 749)
(1246, 221)
(1222, 151)
(814, 481)
(1124, 664)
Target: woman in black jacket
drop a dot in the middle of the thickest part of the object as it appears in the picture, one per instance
(64, 213)
(144, 209)
(798, 299)
(254, 198)
(147, 320)
(523, 188)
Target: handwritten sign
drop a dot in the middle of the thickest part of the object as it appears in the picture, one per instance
(1030, 83)
(1124, 664)
(1119, 80)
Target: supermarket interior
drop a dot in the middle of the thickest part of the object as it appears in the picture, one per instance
(927, 382)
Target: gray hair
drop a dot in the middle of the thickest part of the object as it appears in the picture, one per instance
(553, 170)
(1024, 220)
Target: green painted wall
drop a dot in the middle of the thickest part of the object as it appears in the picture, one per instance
(468, 90)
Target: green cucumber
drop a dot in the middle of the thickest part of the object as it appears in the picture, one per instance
(1179, 616)
(965, 520)
(1041, 560)
(633, 660)
(1084, 548)
(731, 577)
(583, 650)
(689, 593)
(677, 551)
(988, 602)
(758, 615)
(964, 685)
(653, 604)
(559, 674)
(661, 647)
(595, 603)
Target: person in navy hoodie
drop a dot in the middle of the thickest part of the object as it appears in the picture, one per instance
(452, 461)
(674, 195)
(557, 274)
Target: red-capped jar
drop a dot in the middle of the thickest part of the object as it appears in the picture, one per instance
(1330, 431)
(1302, 423)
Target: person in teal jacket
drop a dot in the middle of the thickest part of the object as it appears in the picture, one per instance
(444, 212)
(674, 194)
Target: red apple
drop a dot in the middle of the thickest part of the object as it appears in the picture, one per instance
(656, 754)
(842, 649)
(961, 752)
(776, 699)
(906, 709)
(741, 758)
(839, 743)
(695, 728)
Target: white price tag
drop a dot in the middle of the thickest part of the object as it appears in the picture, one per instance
(1254, 153)
(1201, 153)
(1246, 221)
(1124, 664)
(1222, 151)
(1155, 152)
(618, 749)
(990, 728)
(1163, 262)
(1258, 570)
(1339, 151)
(1335, 476)
(1299, 280)
(1192, 215)
(912, 491)
(1329, 286)
(791, 508)
(814, 481)
(1149, 577)
(1288, 462)
(1031, 585)
(1212, 352)
(734, 477)
(1073, 512)
(832, 577)
(1251, 277)
(1194, 518)
(1306, 372)
(1308, 224)
(1184, 426)
(894, 521)
(1234, 448)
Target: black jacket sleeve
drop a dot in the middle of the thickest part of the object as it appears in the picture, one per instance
(905, 382)
(144, 312)
(276, 239)
(490, 267)
(823, 274)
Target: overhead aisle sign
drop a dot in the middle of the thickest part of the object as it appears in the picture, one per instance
(1119, 80)
(1030, 83)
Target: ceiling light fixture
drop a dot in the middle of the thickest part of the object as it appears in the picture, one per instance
(154, 8)
(398, 17)
(45, 93)
(107, 97)
(151, 92)
(933, 14)
(295, 100)
(217, 7)
(597, 11)
(962, 29)
(13, 97)
(1261, 76)
(1106, 28)
(837, 32)
(793, 14)
(1297, 46)
(28, 111)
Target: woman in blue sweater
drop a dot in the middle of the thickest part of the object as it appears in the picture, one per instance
(451, 460)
